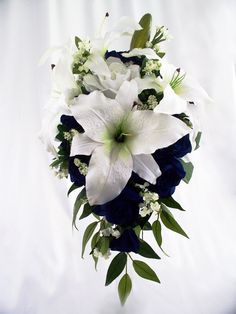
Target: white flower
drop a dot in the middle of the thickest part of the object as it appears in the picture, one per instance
(120, 140)
(108, 75)
(51, 118)
(124, 27)
(178, 89)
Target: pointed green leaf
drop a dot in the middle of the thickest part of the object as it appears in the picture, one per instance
(72, 188)
(156, 229)
(116, 267)
(94, 241)
(81, 198)
(145, 271)
(87, 211)
(140, 37)
(146, 250)
(170, 202)
(87, 235)
(103, 244)
(147, 226)
(188, 168)
(124, 288)
(169, 221)
(198, 139)
(77, 40)
(137, 230)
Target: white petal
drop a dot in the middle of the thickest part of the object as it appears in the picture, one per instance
(167, 71)
(146, 167)
(91, 83)
(171, 102)
(62, 74)
(108, 173)
(96, 114)
(148, 82)
(97, 65)
(126, 25)
(147, 52)
(127, 94)
(191, 90)
(151, 131)
(82, 145)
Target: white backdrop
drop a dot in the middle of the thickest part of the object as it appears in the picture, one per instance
(40, 267)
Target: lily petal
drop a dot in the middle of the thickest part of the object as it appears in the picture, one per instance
(171, 102)
(146, 167)
(147, 52)
(107, 174)
(191, 90)
(96, 114)
(97, 65)
(82, 145)
(127, 94)
(153, 131)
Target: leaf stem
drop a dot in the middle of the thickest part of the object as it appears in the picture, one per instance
(130, 256)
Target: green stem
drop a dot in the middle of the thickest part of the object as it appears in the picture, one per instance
(130, 257)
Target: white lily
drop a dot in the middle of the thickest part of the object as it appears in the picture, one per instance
(64, 86)
(64, 82)
(108, 75)
(120, 140)
(51, 118)
(179, 90)
(124, 27)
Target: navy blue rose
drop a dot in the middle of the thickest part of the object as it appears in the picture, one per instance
(70, 123)
(172, 170)
(127, 242)
(123, 210)
(177, 150)
(118, 54)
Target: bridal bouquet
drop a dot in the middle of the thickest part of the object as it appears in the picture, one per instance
(120, 126)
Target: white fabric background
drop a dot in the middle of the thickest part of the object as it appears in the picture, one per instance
(40, 266)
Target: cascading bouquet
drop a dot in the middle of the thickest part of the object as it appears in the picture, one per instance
(120, 125)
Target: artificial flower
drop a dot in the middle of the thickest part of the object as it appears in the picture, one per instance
(120, 140)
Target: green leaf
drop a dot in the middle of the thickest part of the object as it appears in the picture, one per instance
(169, 221)
(72, 188)
(94, 241)
(87, 235)
(147, 226)
(170, 202)
(77, 40)
(124, 288)
(104, 243)
(87, 211)
(137, 230)
(156, 229)
(116, 267)
(146, 250)
(188, 168)
(78, 203)
(198, 139)
(140, 37)
(145, 271)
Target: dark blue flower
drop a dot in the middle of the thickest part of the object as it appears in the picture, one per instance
(71, 123)
(123, 210)
(75, 175)
(127, 242)
(179, 149)
(118, 54)
(172, 173)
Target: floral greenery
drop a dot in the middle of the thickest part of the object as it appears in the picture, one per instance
(98, 87)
